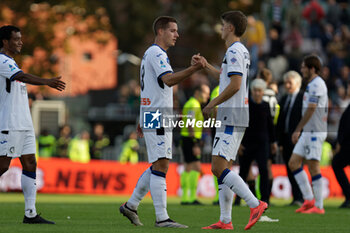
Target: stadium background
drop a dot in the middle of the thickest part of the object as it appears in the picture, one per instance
(97, 46)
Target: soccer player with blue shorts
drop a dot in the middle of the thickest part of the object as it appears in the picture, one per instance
(309, 136)
(157, 78)
(233, 112)
(17, 138)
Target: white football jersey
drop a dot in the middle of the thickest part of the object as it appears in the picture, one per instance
(316, 92)
(235, 110)
(14, 106)
(155, 94)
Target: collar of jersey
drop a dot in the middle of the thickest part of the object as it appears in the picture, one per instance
(235, 43)
(6, 55)
(159, 47)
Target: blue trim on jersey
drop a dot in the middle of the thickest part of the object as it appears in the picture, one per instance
(164, 73)
(29, 174)
(235, 73)
(229, 129)
(298, 170)
(316, 177)
(6, 55)
(159, 47)
(219, 181)
(223, 175)
(159, 79)
(14, 75)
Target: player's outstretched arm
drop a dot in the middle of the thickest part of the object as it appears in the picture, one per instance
(172, 79)
(208, 67)
(55, 82)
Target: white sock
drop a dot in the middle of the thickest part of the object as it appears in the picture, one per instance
(225, 201)
(317, 187)
(141, 189)
(304, 185)
(29, 192)
(238, 186)
(158, 193)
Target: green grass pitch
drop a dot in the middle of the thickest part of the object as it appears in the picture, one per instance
(82, 213)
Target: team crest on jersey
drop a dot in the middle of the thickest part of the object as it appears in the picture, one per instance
(152, 120)
(233, 60)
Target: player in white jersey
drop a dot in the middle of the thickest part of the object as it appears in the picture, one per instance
(157, 79)
(17, 137)
(233, 112)
(313, 126)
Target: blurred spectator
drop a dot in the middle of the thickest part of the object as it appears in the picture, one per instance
(293, 42)
(277, 12)
(314, 13)
(277, 62)
(333, 13)
(342, 158)
(99, 141)
(47, 144)
(134, 94)
(79, 148)
(344, 12)
(337, 52)
(344, 79)
(270, 91)
(289, 117)
(123, 94)
(255, 37)
(294, 13)
(130, 148)
(63, 142)
(258, 137)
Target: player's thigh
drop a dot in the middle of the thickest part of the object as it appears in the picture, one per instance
(314, 147)
(4, 164)
(295, 162)
(226, 142)
(27, 158)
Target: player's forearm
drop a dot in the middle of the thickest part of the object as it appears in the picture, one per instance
(229, 91)
(305, 119)
(175, 78)
(213, 71)
(31, 79)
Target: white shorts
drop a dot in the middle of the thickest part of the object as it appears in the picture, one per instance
(227, 141)
(309, 145)
(16, 143)
(158, 146)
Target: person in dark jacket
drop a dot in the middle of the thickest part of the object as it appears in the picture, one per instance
(290, 115)
(259, 138)
(342, 157)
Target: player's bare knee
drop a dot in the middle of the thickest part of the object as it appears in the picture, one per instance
(293, 165)
(29, 163)
(216, 171)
